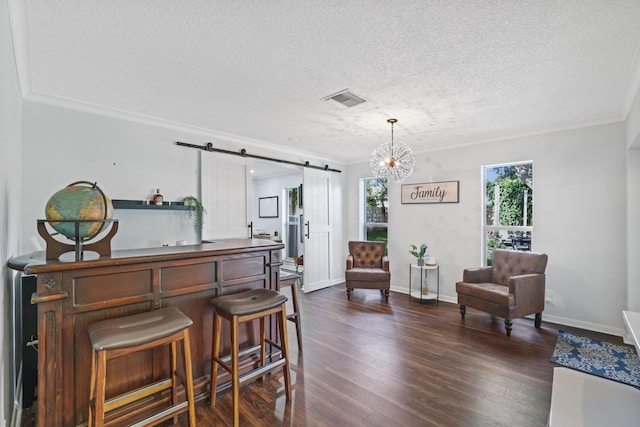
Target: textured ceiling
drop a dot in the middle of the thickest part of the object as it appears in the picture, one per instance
(451, 71)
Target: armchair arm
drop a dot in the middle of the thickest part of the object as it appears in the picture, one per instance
(349, 262)
(528, 288)
(477, 275)
(385, 263)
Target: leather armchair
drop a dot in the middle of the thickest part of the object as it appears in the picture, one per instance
(367, 268)
(512, 287)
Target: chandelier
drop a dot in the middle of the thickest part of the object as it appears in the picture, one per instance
(393, 161)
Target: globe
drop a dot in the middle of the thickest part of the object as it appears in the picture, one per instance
(80, 200)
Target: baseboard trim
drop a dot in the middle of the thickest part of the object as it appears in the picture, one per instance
(559, 320)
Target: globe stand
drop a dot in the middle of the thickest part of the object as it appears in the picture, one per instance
(56, 248)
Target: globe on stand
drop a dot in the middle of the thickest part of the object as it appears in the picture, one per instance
(79, 212)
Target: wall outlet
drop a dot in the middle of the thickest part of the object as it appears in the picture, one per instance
(550, 297)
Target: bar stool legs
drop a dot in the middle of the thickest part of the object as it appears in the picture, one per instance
(291, 280)
(122, 336)
(240, 308)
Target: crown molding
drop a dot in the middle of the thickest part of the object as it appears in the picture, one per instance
(204, 133)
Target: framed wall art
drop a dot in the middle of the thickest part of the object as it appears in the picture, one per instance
(431, 192)
(268, 207)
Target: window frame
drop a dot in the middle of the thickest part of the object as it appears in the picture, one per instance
(486, 228)
(363, 224)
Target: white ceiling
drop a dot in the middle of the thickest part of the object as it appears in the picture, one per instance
(451, 71)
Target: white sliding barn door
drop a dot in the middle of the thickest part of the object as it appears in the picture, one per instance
(316, 229)
(225, 196)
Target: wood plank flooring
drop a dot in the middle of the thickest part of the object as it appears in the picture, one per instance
(371, 363)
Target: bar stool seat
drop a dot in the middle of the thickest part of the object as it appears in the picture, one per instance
(291, 280)
(118, 337)
(240, 308)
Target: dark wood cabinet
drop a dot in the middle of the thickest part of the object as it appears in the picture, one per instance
(72, 295)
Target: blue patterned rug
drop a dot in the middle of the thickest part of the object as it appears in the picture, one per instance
(611, 361)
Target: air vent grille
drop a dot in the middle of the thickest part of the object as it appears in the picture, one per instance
(346, 98)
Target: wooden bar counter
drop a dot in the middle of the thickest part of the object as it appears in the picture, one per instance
(72, 295)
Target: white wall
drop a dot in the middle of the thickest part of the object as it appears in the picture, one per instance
(633, 197)
(10, 190)
(128, 160)
(579, 216)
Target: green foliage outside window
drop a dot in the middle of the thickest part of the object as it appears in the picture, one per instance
(514, 181)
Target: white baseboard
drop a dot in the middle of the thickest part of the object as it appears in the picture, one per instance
(565, 321)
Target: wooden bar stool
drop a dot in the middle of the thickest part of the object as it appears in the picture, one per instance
(291, 280)
(125, 335)
(240, 308)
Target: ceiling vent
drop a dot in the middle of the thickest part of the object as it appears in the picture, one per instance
(345, 98)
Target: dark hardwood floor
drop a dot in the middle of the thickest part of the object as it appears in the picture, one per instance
(371, 363)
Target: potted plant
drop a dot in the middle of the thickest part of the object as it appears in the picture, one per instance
(195, 211)
(419, 253)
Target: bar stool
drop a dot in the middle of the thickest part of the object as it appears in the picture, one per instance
(240, 308)
(125, 335)
(291, 280)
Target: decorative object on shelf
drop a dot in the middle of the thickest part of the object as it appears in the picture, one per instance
(157, 198)
(430, 261)
(196, 211)
(393, 161)
(79, 212)
(419, 253)
(431, 192)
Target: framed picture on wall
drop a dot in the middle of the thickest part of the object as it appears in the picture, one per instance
(268, 207)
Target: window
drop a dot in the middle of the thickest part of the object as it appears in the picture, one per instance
(292, 218)
(508, 202)
(374, 209)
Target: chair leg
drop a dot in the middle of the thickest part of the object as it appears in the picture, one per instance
(284, 344)
(101, 374)
(92, 388)
(349, 292)
(235, 376)
(508, 323)
(463, 310)
(538, 321)
(215, 352)
(386, 295)
(174, 377)
(188, 373)
(295, 297)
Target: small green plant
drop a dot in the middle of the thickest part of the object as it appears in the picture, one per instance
(195, 210)
(418, 253)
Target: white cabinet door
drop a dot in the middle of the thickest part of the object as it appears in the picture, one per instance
(225, 196)
(317, 229)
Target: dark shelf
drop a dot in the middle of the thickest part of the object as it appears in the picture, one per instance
(141, 204)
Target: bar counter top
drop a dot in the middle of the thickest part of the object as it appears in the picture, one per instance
(35, 263)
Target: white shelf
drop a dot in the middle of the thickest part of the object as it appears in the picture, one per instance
(424, 267)
(419, 295)
(433, 284)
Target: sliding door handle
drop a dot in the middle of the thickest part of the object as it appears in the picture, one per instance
(306, 233)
